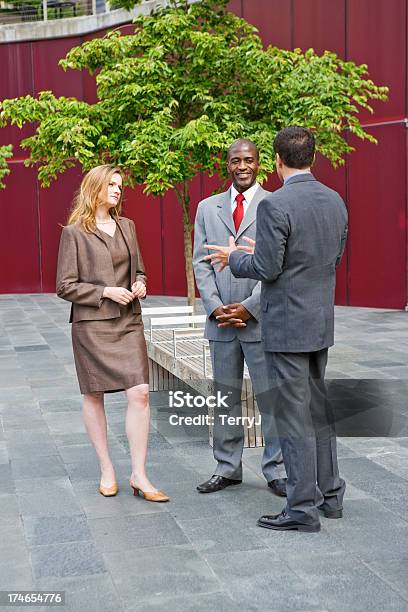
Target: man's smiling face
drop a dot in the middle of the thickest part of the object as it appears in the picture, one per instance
(243, 165)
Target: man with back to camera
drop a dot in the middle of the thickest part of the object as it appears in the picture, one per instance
(300, 239)
(232, 326)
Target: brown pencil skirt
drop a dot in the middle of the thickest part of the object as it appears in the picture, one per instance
(110, 355)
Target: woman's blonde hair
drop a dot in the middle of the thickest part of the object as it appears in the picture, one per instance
(86, 198)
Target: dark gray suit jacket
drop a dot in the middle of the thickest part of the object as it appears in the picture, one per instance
(301, 232)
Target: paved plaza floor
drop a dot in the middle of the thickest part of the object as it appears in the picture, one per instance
(198, 552)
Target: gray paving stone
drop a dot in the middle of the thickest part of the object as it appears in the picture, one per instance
(42, 420)
(6, 479)
(48, 466)
(44, 393)
(85, 452)
(27, 436)
(141, 531)
(281, 542)
(15, 574)
(9, 510)
(281, 593)
(394, 573)
(88, 471)
(31, 450)
(61, 405)
(159, 573)
(65, 439)
(95, 593)
(47, 497)
(31, 348)
(223, 533)
(344, 583)
(171, 472)
(43, 530)
(371, 531)
(221, 602)
(4, 455)
(64, 423)
(72, 559)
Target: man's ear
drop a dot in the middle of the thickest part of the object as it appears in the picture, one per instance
(278, 160)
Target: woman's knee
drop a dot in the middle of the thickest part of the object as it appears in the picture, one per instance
(139, 395)
(95, 398)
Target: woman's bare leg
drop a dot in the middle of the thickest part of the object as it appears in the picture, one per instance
(137, 431)
(94, 416)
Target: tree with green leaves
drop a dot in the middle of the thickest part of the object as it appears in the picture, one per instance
(173, 95)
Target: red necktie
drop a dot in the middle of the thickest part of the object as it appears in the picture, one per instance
(238, 214)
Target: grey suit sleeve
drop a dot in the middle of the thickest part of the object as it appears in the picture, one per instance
(253, 302)
(342, 245)
(272, 231)
(203, 270)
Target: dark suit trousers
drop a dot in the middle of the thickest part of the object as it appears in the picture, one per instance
(305, 424)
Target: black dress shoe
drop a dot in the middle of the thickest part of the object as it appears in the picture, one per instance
(283, 522)
(278, 486)
(331, 514)
(216, 483)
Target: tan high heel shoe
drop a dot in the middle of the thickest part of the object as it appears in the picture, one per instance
(109, 491)
(152, 496)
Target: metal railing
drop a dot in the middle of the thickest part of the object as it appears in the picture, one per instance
(22, 11)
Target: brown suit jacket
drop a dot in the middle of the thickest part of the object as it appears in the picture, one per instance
(85, 268)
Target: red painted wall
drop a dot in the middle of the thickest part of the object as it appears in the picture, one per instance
(373, 182)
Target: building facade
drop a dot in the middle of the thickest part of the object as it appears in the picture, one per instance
(373, 182)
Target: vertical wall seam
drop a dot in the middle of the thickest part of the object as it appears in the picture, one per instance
(37, 186)
(162, 246)
(347, 177)
(406, 155)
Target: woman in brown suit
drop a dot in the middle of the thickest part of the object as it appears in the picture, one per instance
(101, 271)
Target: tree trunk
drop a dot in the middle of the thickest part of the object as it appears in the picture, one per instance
(184, 199)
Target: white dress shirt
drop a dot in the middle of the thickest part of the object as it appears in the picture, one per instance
(248, 195)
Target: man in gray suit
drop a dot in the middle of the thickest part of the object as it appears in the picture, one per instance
(300, 239)
(232, 327)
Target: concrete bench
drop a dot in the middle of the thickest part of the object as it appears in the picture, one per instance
(179, 359)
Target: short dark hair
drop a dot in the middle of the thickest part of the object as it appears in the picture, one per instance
(295, 146)
(242, 141)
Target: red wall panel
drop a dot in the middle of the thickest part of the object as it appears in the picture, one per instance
(336, 179)
(19, 240)
(173, 240)
(273, 20)
(146, 213)
(48, 75)
(377, 247)
(235, 6)
(55, 203)
(17, 80)
(376, 35)
(373, 270)
(311, 21)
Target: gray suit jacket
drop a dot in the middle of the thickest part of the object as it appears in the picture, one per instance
(300, 239)
(214, 225)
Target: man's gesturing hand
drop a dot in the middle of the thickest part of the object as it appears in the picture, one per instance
(221, 254)
(247, 249)
(234, 315)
